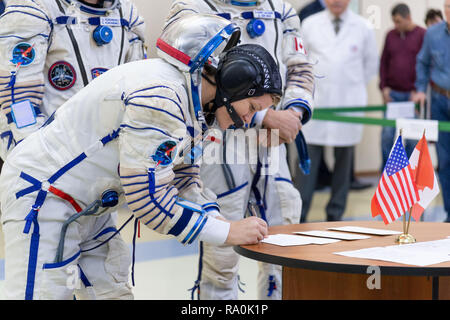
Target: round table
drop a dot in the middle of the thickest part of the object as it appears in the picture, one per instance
(315, 272)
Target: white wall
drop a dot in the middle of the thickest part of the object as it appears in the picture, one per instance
(368, 154)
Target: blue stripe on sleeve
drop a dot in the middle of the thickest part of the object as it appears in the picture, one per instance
(159, 97)
(198, 230)
(150, 128)
(231, 190)
(182, 222)
(157, 109)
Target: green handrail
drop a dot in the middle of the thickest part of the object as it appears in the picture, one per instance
(331, 114)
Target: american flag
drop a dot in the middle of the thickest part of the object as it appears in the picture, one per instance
(397, 191)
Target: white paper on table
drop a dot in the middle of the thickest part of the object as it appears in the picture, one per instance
(435, 247)
(333, 235)
(379, 232)
(285, 240)
(418, 254)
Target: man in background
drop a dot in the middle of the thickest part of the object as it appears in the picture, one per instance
(397, 69)
(324, 177)
(432, 66)
(344, 46)
(432, 17)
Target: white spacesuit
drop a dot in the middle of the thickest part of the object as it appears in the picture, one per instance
(49, 50)
(124, 137)
(275, 25)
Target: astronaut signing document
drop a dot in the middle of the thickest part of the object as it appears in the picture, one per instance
(129, 137)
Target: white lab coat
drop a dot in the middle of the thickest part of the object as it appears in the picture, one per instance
(346, 62)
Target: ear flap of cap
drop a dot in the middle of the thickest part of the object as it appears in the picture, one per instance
(237, 77)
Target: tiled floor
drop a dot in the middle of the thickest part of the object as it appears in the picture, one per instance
(165, 269)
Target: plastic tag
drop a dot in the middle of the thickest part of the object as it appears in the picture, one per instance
(400, 110)
(23, 114)
(414, 129)
(112, 22)
(257, 14)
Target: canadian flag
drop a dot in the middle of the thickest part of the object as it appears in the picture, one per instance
(424, 176)
(299, 46)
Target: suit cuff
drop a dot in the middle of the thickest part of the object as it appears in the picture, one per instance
(259, 117)
(215, 231)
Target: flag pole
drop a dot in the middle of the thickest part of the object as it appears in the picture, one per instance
(405, 238)
(404, 223)
(404, 215)
(409, 221)
(410, 213)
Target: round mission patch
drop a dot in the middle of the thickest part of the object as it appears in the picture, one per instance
(62, 75)
(165, 153)
(23, 53)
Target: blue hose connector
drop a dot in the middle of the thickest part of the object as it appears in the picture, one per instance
(256, 28)
(102, 35)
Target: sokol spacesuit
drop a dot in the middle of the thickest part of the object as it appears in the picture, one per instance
(275, 25)
(49, 50)
(125, 136)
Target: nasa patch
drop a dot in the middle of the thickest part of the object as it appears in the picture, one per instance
(165, 153)
(23, 54)
(62, 75)
(96, 72)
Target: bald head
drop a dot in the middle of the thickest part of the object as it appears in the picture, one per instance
(447, 10)
(337, 7)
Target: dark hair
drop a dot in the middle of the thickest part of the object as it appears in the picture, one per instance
(432, 14)
(402, 10)
(209, 70)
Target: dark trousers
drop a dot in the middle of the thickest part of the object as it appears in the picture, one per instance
(340, 181)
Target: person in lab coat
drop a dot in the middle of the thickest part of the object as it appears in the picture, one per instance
(344, 47)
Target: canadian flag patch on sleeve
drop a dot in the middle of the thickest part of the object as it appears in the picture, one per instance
(299, 46)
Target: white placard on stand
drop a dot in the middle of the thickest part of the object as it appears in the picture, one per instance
(414, 128)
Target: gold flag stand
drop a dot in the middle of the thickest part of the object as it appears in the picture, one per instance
(405, 237)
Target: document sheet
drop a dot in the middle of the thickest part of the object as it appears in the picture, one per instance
(417, 254)
(378, 232)
(333, 235)
(285, 240)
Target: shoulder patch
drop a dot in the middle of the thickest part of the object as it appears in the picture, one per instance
(23, 54)
(96, 72)
(62, 75)
(165, 153)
